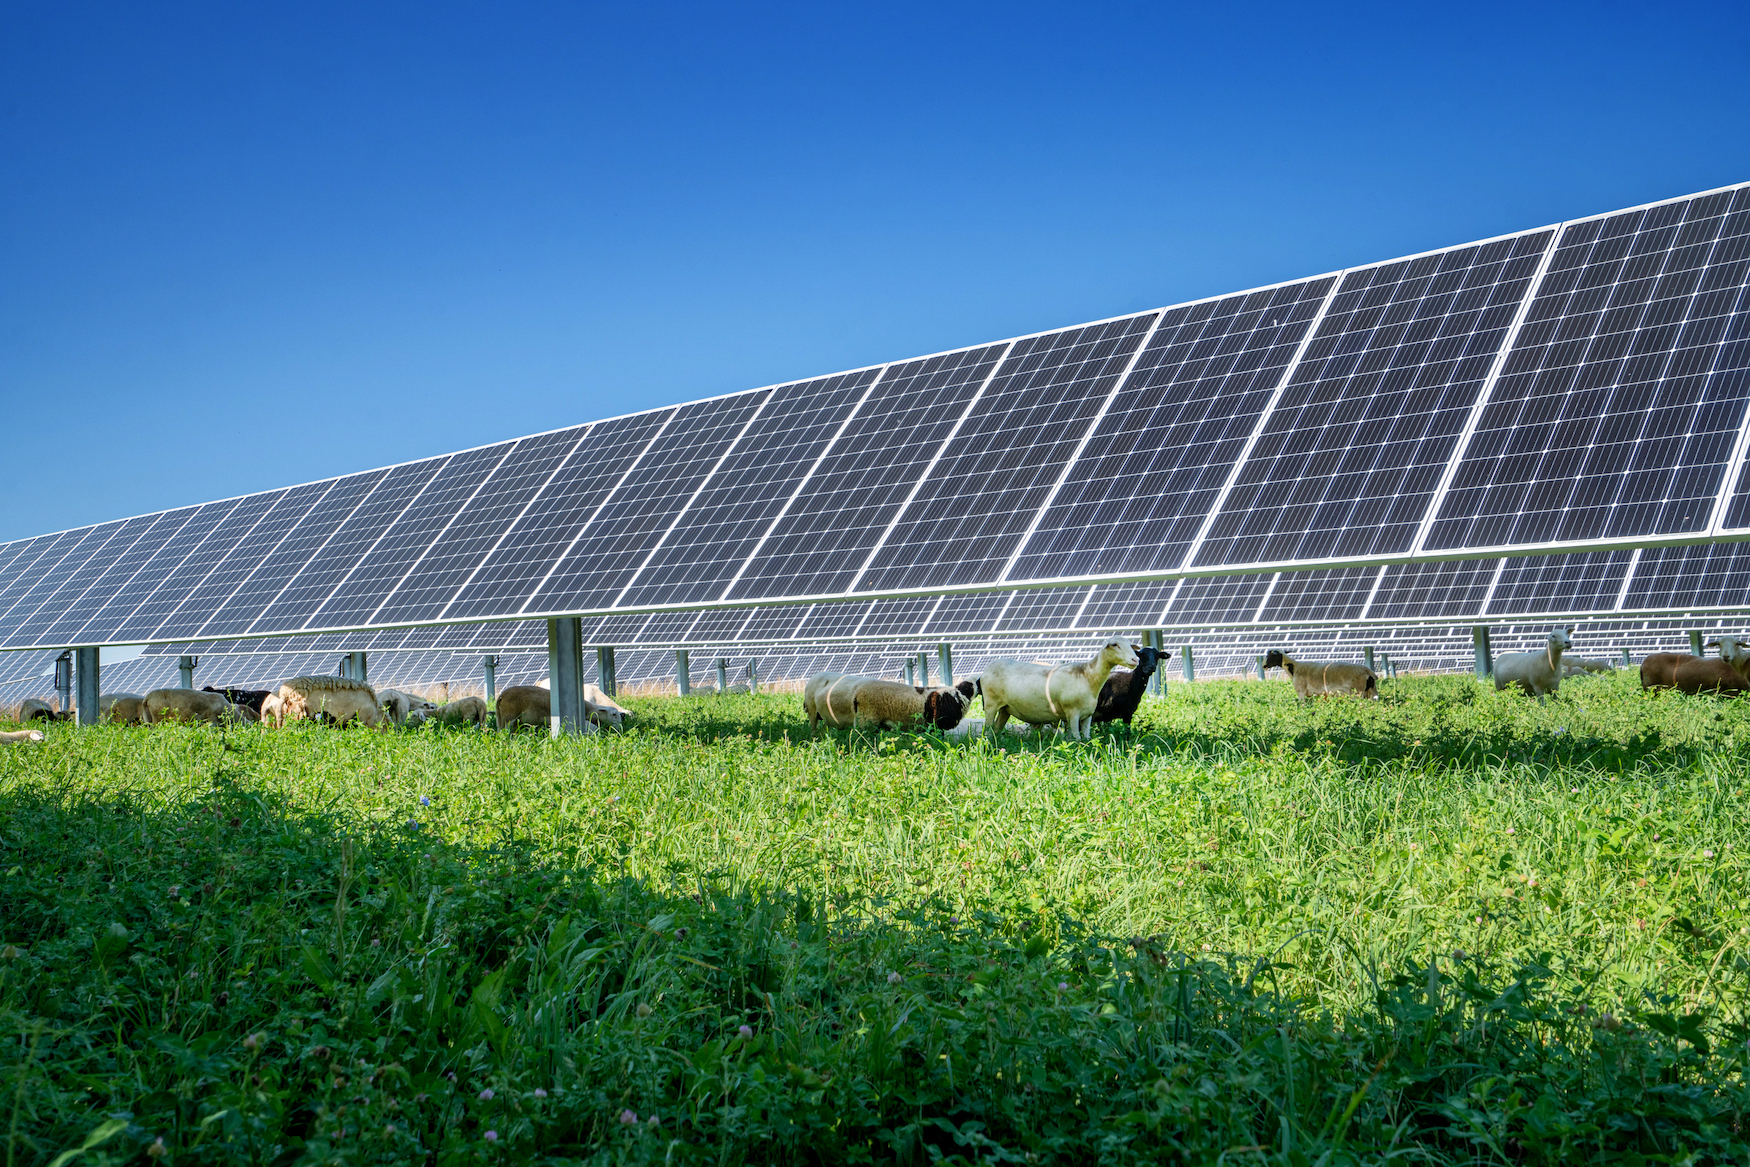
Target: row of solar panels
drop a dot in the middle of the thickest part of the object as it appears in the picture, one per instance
(1217, 654)
(1582, 385)
(1588, 585)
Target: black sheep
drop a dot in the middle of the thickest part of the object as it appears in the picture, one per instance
(250, 697)
(1123, 691)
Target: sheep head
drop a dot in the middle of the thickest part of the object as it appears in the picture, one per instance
(1118, 652)
(1561, 638)
(1274, 659)
(944, 708)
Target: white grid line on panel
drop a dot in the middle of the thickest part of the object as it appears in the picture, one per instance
(1075, 455)
(171, 538)
(918, 483)
(1628, 578)
(997, 620)
(1082, 607)
(1378, 579)
(1487, 390)
(801, 486)
(1282, 383)
(77, 543)
(278, 543)
(607, 498)
(1494, 582)
(177, 566)
(437, 539)
(1734, 461)
(1172, 599)
(329, 538)
(510, 526)
(96, 579)
(1269, 590)
(694, 497)
(381, 535)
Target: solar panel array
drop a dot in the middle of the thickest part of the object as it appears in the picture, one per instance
(1580, 387)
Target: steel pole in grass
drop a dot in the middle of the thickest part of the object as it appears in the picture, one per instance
(722, 674)
(924, 669)
(1625, 661)
(64, 680)
(1158, 639)
(1695, 648)
(604, 668)
(1367, 656)
(85, 681)
(1485, 661)
(683, 678)
(753, 676)
(909, 673)
(1188, 664)
(1259, 660)
(945, 664)
(490, 667)
(185, 672)
(565, 675)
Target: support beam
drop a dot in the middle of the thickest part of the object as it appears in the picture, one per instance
(1367, 658)
(683, 677)
(1485, 660)
(565, 676)
(1158, 639)
(722, 674)
(1695, 648)
(924, 669)
(86, 683)
(1259, 660)
(945, 663)
(1625, 660)
(1190, 665)
(909, 672)
(64, 680)
(753, 676)
(1385, 666)
(185, 671)
(489, 667)
(604, 671)
(356, 668)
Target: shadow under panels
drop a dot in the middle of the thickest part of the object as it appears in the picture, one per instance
(1619, 407)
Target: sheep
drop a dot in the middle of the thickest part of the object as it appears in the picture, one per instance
(36, 709)
(22, 735)
(1324, 678)
(830, 697)
(1709, 675)
(1580, 664)
(1049, 694)
(162, 705)
(122, 708)
(891, 705)
(603, 709)
(399, 705)
(458, 712)
(250, 697)
(1659, 669)
(1537, 673)
(1123, 691)
(336, 699)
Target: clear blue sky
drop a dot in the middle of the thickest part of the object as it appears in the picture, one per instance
(241, 248)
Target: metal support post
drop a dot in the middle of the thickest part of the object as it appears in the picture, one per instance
(1259, 661)
(1190, 666)
(489, 667)
(723, 674)
(924, 669)
(945, 664)
(910, 671)
(1695, 648)
(185, 671)
(356, 667)
(64, 680)
(565, 676)
(1625, 661)
(604, 671)
(1367, 658)
(682, 672)
(1158, 640)
(85, 681)
(1485, 660)
(1385, 666)
(753, 677)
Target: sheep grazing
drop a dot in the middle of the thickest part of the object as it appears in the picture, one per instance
(1324, 678)
(122, 708)
(461, 711)
(893, 705)
(1537, 673)
(36, 709)
(249, 697)
(603, 709)
(162, 705)
(22, 735)
(1123, 691)
(1659, 669)
(831, 697)
(1064, 694)
(400, 706)
(1580, 664)
(336, 699)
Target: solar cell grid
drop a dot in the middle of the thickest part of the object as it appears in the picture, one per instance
(772, 623)
(1219, 599)
(825, 621)
(127, 578)
(982, 496)
(1131, 606)
(970, 613)
(1707, 576)
(1349, 458)
(431, 584)
(719, 624)
(711, 541)
(60, 555)
(842, 509)
(1042, 608)
(1155, 463)
(1320, 595)
(1563, 583)
(1615, 414)
(896, 617)
(555, 516)
(414, 533)
(64, 603)
(1411, 591)
(633, 520)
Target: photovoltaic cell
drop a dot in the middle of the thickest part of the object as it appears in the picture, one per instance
(1349, 458)
(1219, 599)
(125, 572)
(33, 627)
(1561, 583)
(635, 517)
(1412, 591)
(1133, 606)
(824, 538)
(719, 625)
(773, 623)
(1617, 410)
(961, 614)
(320, 573)
(410, 537)
(896, 617)
(982, 496)
(1708, 576)
(832, 620)
(711, 541)
(1042, 608)
(139, 598)
(621, 629)
(673, 626)
(1142, 487)
(61, 554)
(432, 583)
(1319, 595)
(556, 516)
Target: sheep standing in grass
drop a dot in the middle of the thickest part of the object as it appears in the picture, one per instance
(400, 706)
(1324, 678)
(461, 711)
(1539, 672)
(122, 709)
(161, 705)
(335, 699)
(1123, 691)
(1038, 694)
(893, 705)
(830, 697)
(1728, 673)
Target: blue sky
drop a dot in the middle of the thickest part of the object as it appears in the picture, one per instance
(241, 248)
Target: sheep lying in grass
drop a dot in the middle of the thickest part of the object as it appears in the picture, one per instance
(1659, 669)
(1729, 673)
(1123, 691)
(22, 735)
(1324, 678)
(1539, 672)
(400, 706)
(894, 705)
(461, 711)
(162, 705)
(334, 699)
(1064, 694)
(36, 709)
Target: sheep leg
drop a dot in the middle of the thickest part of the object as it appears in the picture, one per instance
(995, 720)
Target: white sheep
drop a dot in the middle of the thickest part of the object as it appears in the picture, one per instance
(831, 697)
(22, 735)
(893, 705)
(1537, 673)
(1323, 678)
(1051, 694)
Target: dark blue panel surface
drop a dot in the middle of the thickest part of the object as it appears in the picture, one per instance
(1454, 587)
(1220, 599)
(36, 608)
(1674, 578)
(1043, 608)
(1560, 583)
(1320, 595)
(64, 611)
(91, 617)
(159, 585)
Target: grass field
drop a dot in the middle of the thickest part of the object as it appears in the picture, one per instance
(1448, 926)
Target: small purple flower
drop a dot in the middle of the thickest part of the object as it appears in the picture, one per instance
(954, 920)
(746, 1032)
(540, 1093)
(1063, 986)
(424, 801)
(628, 1117)
(486, 1094)
(894, 978)
(1707, 854)
(492, 1136)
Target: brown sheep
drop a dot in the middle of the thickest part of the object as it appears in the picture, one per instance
(162, 705)
(335, 699)
(122, 708)
(1659, 670)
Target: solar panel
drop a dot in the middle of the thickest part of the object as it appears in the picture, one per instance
(1455, 587)
(76, 581)
(1319, 595)
(1561, 583)
(1681, 577)
(1042, 608)
(1218, 599)
(223, 561)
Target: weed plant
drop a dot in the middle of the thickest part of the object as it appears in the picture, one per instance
(1448, 926)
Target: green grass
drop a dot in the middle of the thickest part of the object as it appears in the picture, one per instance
(1447, 926)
